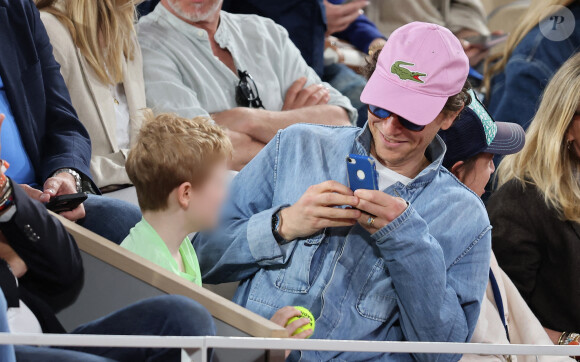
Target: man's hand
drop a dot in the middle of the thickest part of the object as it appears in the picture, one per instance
(32, 192)
(299, 97)
(245, 149)
(62, 184)
(339, 17)
(475, 53)
(317, 209)
(383, 207)
(281, 318)
(16, 263)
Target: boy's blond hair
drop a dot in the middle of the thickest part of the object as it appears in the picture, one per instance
(171, 150)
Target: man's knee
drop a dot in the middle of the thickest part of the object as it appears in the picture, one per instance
(186, 316)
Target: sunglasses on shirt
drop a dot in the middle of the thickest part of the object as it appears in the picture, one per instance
(383, 114)
(247, 92)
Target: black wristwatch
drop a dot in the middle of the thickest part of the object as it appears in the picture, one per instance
(276, 228)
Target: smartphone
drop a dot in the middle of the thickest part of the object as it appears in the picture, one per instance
(64, 203)
(486, 42)
(362, 172)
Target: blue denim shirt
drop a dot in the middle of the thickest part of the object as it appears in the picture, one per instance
(420, 278)
(516, 92)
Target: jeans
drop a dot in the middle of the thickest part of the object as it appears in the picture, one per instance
(349, 84)
(6, 350)
(168, 315)
(110, 218)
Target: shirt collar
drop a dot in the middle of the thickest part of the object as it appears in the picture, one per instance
(435, 152)
(221, 35)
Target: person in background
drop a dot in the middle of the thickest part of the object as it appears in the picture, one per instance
(242, 69)
(536, 210)
(392, 264)
(309, 22)
(100, 60)
(515, 78)
(40, 263)
(187, 200)
(465, 18)
(471, 144)
(43, 138)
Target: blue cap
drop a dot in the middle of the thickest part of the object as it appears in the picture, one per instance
(475, 132)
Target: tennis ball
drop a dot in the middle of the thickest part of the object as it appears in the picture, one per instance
(305, 313)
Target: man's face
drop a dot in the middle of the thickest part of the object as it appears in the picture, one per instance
(195, 10)
(397, 147)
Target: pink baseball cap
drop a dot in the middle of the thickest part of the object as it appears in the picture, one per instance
(420, 67)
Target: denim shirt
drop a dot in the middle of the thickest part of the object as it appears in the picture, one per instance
(516, 92)
(420, 278)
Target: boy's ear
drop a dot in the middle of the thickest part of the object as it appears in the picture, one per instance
(184, 194)
(457, 170)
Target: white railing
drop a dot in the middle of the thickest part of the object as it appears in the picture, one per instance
(199, 345)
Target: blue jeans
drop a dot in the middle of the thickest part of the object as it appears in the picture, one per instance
(110, 218)
(6, 351)
(349, 84)
(168, 315)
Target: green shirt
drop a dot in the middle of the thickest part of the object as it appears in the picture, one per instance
(144, 241)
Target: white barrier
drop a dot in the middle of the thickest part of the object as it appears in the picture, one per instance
(202, 344)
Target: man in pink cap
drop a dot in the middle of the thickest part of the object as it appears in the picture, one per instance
(409, 261)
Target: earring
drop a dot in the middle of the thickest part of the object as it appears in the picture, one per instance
(570, 143)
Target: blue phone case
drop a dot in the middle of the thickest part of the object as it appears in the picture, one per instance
(362, 173)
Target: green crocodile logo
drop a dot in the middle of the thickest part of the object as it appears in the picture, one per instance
(406, 74)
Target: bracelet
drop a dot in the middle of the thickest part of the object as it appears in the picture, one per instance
(3, 168)
(7, 201)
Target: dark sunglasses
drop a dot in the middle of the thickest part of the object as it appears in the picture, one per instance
(384, 114)
(247, 91)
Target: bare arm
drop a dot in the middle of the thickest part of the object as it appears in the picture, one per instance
(245, 149)
(262, 125)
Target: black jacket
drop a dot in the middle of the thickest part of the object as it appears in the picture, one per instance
(51, 254)
(539, 252)
(51, 132)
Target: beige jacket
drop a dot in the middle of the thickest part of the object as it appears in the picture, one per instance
(524, 327)
(389, 15)
(93, 102)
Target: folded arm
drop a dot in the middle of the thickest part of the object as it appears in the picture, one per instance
(262, 125)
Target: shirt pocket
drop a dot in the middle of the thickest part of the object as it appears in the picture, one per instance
(304, 265)
(378, 298)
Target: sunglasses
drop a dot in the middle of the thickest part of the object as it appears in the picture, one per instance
(247, 92)
(383, 114)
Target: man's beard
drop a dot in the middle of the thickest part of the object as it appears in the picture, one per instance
(195, 16)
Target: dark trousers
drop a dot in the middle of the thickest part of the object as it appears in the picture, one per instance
(168, 315)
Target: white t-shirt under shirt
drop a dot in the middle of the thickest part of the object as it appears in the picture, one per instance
(388, 177)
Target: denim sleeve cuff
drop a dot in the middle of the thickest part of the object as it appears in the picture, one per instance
(408, 219)
(263, 246)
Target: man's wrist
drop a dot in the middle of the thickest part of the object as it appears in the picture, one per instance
(283, 229)
(76, 177)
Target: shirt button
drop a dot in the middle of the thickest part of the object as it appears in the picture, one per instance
(200, 33)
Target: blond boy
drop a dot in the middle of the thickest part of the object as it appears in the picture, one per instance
(178, 167)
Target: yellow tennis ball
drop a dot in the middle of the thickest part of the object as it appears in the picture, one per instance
(305, 313)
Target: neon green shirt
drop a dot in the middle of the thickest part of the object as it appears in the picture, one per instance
(143, 240)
